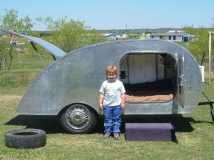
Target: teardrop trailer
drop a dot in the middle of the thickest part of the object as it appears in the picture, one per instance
(161, 78)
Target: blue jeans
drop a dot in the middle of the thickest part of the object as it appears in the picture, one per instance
(112, 119)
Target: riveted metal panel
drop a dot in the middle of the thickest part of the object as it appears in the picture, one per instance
(77, 77)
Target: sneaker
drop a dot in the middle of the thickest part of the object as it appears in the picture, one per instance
(116, 136)
(107, 135)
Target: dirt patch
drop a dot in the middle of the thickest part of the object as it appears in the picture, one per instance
(9, 98)
(8, 103)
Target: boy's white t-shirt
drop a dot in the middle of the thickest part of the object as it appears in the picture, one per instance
(112, 92)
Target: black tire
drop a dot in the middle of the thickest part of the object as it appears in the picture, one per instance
(78, 118)
(25, 138)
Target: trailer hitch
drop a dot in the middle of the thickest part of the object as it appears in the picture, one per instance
(210, 103)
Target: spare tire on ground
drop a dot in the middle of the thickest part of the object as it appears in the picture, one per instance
(25, 138)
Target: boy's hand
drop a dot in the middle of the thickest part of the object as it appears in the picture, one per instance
(123, 101)
(123, 107)
(101, 97)
(100, 108)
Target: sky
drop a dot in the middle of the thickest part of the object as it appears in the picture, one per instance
(119, 14)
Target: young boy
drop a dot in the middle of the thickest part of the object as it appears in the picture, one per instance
(112, 102)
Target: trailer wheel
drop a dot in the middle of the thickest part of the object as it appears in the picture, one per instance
(25, 138)
(78, 118)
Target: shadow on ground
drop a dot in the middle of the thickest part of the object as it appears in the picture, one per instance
(51, 125)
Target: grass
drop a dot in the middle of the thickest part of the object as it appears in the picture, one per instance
(194, 135)
(24, 69)
(194, 131)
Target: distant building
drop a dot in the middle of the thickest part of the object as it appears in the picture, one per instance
(114, 36)
(110, 36)
(144, 36)
(173, 35)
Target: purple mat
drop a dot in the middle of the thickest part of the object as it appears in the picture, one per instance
(149, 132)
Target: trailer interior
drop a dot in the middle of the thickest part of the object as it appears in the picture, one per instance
(149, 77)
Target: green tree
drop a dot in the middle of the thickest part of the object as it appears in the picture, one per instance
(199, 46)
(69, 34)
(10, 21)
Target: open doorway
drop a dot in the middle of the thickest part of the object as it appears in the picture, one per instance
(149, 77)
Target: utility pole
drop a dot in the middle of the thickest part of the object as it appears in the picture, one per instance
(210, 50)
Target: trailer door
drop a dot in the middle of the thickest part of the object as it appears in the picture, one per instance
(180, 79)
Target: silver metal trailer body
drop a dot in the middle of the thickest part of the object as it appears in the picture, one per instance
(76, 78)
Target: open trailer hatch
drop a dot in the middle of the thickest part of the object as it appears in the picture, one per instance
(149, 77)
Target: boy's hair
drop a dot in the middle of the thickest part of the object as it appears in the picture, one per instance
(111, 69)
